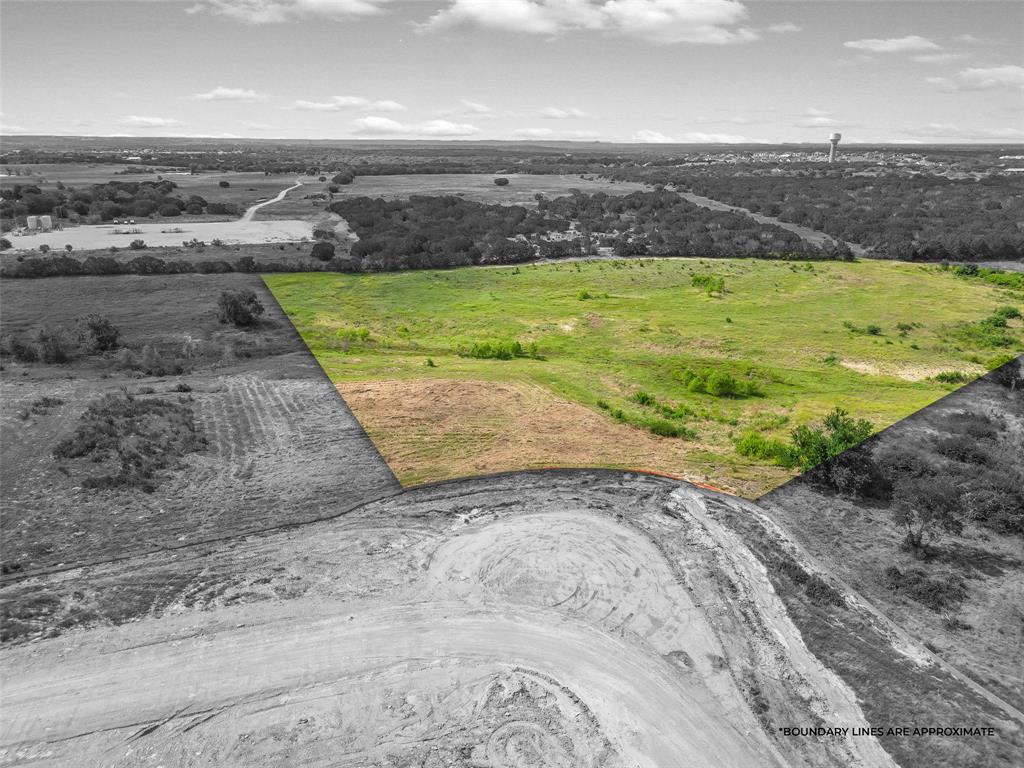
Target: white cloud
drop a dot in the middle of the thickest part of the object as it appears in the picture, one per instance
(713, 22)
(220, 93)
(282, 11)
(936, 58)
(947, 131)
(475, 107)
(906, 44)
(374, 125)
(7, 130)
(786, 26)
(817, 118)
(533, 132)
(982, 78)
(141, 121)
(557, 113)
(550, 133)
(340, 103)
(697, 137)
(256, 126)
(647, 136)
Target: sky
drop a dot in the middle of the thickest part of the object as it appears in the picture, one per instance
(697, 71)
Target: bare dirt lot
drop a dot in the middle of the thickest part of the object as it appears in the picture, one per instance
(281, 445)
(448, 428)
(573, 618)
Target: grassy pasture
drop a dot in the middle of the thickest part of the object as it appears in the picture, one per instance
(607, 330)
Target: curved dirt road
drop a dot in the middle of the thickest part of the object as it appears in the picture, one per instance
(595, 619)
(251, 210)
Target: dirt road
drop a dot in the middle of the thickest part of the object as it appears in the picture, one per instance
(168, 232)
(810, 235)
(251, 210)
(534, 619)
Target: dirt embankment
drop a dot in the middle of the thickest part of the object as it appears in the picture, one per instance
(557, 618)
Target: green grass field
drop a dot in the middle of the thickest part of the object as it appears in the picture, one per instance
(800, 333)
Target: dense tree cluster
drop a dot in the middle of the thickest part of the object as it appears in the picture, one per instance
(923, 217)
(450, 231)
(662, 223)
(441, 231)
(104, 202)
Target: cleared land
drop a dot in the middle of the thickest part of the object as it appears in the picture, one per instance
(971, 610)
(543, 619)
(281, 446)
(799, 332)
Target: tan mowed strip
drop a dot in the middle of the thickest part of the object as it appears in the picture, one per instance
(437, 429)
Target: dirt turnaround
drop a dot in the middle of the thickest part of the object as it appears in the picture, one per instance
(558, 618)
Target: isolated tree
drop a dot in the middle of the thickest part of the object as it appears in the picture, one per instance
(239, 308)
(501, 182)
(925, 507)
(224, 184)
(323, 251)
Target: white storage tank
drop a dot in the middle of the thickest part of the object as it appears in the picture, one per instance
(32, 222)
(46, 222)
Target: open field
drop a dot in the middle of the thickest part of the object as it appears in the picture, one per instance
(481, 187)
(280, 444)
(167, 233)
(778, 325)
(552, 618)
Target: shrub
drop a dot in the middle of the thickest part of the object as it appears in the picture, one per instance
(239, 308)
(754, 445)
(502, 350)
(643, 398)
(952, 377)
(5, 244)
(937, 594)
(710, 283)
(137, 245)
(103, 334)
(821, 592)
(131, 439)
(323, 251)
(718, 384)
(55, 344)
(501, 182)
(873, 330)
(839, 432)
(224, 184)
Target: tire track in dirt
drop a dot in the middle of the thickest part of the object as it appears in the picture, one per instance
(548, 618)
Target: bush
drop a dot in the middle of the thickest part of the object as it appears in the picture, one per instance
(502, 350)
(323, 251)
(753, 445)
(5, 244)
(102, 333)
(710, 283)
(224, 184)
(501, 182)
(812, 446)
(239, 308)
(137, 245)
(55, 344)
(718, 384)
(937, 594)
(131, 439)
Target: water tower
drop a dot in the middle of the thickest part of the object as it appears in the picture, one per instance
(833, 139)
